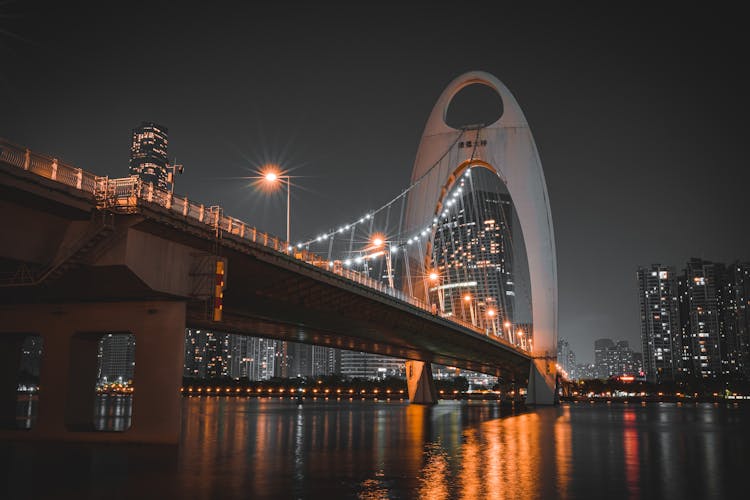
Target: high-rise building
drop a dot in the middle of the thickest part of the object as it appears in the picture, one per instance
(213, 355)
(263, 354)
(615, 359)
(702, 288)
(240, 357)
(586, 371)
(366, 365)
(311, 360)
(601, 359)
(660, 324)
(734, 320)
(116, 358)
(148, 154)
(195, 353)
(566, 358)
(685, 346)
(621, 360)
(472, 251)
(218, 355)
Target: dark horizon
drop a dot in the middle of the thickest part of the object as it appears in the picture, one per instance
(639, 117)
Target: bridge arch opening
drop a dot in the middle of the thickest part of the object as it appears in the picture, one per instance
(476, 219)
(474, 105)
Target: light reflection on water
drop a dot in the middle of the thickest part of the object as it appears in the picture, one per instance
(110, 412)
(274, 448)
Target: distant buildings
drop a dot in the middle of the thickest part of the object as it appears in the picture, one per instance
(366, 365)
(695, 324)
(566, 359)
(148, 154)
(307, 360)
(660, 327)
(221, 355)
(615, 359)
(116, 358)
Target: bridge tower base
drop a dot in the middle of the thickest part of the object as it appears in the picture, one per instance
(70, 334)
(420, 383)
(542, 388)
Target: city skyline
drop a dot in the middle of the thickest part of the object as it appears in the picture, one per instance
(637, 121)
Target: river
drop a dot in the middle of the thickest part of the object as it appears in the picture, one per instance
(238, 447)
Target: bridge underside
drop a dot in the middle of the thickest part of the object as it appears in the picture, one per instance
(266, 299)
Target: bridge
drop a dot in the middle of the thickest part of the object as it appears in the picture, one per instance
(84, 255)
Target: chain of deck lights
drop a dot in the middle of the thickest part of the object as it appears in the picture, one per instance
(394, 245)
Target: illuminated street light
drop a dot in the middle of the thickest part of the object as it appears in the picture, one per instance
(434, 277)
(491, 314)
(271, 177)
(508, 329)
(467, 299)
(521, 337)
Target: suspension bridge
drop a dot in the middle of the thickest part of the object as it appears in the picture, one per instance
(457, 269)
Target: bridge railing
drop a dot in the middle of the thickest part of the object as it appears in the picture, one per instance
(125, 194)
(47, 166)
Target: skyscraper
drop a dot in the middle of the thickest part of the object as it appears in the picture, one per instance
(702, 288)
(566, 358)
(148, 154)
(195, 353)
(735, 317)
(601, 357)
(472, 251)
(218, 355)
(116, 358)
(660, 324)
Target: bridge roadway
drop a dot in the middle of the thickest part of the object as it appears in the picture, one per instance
(129, 262)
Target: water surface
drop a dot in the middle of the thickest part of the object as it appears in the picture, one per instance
(236, 447)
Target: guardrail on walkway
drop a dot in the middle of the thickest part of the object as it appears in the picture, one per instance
(125, 194)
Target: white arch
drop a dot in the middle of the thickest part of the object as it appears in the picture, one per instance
(511, 150)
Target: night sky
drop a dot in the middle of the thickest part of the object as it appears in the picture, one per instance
(639, 115)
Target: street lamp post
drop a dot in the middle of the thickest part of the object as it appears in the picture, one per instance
(434, 277)
(174, 169)
(378, 241)
(521, 339)
(467, 299)
(272, 177)
(491, 314)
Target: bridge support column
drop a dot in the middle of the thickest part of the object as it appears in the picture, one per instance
(10, 362)
(420, 384)
(70, 334)
(542, 388)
